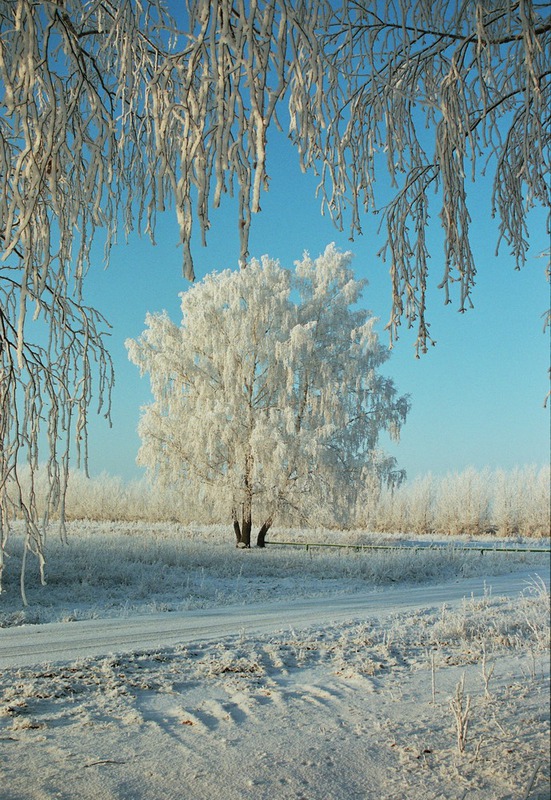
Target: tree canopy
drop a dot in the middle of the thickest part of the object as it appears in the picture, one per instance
(269, 394)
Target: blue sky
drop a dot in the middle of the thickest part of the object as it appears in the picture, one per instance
(477, 397)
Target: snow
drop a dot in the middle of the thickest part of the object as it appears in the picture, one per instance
(338, 696)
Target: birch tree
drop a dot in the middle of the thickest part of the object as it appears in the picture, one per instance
(275, 404)
(112, 112)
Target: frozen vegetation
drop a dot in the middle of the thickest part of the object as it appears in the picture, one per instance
(504, 503)
(115, 568)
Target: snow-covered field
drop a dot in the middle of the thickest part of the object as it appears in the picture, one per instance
(286, 674)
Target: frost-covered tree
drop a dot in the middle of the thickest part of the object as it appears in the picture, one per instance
(269, 392)
(462, 504)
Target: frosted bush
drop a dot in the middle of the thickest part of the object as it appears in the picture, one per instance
(508, 502)
(536, 508)
(515, 503)
(462, 502)
(420, 506)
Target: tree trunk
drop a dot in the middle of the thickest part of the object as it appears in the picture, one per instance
(236, 527)
(243, 529)
(246, 527)
(261, 538)
(247, 508)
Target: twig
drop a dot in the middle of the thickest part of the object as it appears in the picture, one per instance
(103, 761)
(486, 673)
(433, 678)
(461, 713)
(532, 781)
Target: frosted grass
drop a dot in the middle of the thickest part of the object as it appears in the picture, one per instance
(114, 569)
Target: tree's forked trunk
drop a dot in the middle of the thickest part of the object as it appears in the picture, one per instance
(247, 507)
(261, 538)
(236, 527)
(246, 528)
(242, 530)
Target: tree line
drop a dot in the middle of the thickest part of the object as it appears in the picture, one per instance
(475, 502)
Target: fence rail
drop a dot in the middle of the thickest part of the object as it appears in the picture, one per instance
(415, 547)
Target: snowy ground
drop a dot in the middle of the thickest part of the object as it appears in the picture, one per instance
(356, 696)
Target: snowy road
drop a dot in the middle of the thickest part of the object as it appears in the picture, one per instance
(57, 642)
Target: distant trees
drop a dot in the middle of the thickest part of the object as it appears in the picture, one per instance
(506, 503)
(270, 392)
(474, 502)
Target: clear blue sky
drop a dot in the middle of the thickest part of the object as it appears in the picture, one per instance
(477, 397)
